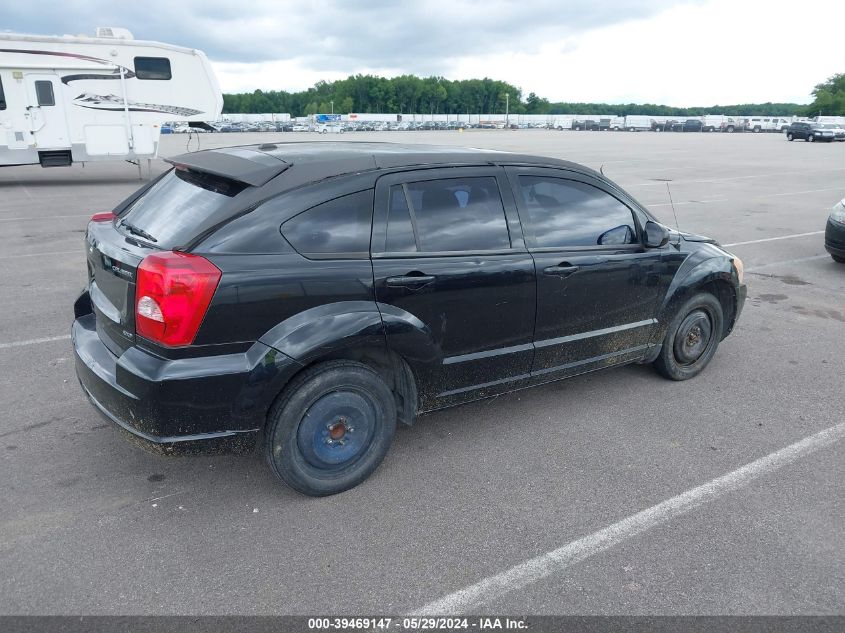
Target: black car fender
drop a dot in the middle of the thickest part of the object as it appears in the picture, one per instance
(345, 328)
(698, 271)
(326, 329)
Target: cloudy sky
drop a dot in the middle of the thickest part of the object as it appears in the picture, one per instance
(676, 52)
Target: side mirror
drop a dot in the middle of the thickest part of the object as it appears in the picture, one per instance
(655, 235)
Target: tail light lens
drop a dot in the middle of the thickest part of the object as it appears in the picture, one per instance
(172, 295)
(106, 216)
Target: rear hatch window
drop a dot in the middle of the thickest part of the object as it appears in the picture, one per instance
(180, 207)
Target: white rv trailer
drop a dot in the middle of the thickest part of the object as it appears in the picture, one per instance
(75, 98)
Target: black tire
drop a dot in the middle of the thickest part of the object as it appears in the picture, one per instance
(789, 137)
(730, 129)
(310, 455)
(838, 259)
(811, 138)
(691, 338)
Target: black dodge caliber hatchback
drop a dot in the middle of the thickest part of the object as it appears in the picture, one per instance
(320, 292)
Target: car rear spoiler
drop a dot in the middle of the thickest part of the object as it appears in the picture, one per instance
(248, 166)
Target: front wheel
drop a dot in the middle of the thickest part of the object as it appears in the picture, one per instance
(811, 138)
(790, 137)
(691, 338)
(838, 259)
(330, 428)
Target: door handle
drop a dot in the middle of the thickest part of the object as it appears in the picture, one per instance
(410, 281)
(564, 270)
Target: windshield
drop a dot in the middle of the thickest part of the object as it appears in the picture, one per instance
(179, 207)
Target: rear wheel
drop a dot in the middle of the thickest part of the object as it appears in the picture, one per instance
(810, 138)
(691, 339)
(790, 137)
(330, 428)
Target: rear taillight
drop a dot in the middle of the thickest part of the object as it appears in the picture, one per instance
(172, 295)
(106, 216)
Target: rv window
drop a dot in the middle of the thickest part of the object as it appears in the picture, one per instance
(152, 68)
(2, 96)
(44, 93)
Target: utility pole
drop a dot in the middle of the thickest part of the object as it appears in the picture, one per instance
(507, 107)
(332, 102)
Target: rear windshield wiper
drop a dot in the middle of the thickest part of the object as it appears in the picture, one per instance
(136, 231)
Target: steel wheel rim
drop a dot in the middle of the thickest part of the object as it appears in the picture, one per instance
(693, 337)
(337, 429)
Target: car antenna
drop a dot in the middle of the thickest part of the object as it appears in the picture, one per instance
(601, 170)
(674, 213)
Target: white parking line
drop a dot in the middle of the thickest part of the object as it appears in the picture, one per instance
(46, 217)
(767, 195)
(556, 561)
(78, 251)
(785, 262)
(774, 239)
(726, 179)
(33, 341)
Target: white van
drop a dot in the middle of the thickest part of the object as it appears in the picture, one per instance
(638, 123)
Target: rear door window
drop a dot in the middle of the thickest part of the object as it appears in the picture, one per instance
(567, 213)
(179, 207)
(448, 215)
(339, 228)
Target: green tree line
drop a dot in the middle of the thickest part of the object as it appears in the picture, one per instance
(437, 95)
(829, 97)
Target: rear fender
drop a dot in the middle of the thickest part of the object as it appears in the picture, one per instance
(330, 328)
(344, 329)
(326, 329)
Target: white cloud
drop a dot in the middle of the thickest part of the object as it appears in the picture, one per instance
(721, 52)
(678, 52)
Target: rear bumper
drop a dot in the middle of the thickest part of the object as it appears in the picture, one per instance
(168, 404)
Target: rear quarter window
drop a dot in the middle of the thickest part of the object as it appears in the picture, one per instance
(337, 229)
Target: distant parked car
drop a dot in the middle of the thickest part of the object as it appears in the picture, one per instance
(834, 234)
(838, 130)
(731, 125)
(810, 131)
(767, 124)
(692, 125)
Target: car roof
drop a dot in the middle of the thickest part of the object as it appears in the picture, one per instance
(309, 161)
